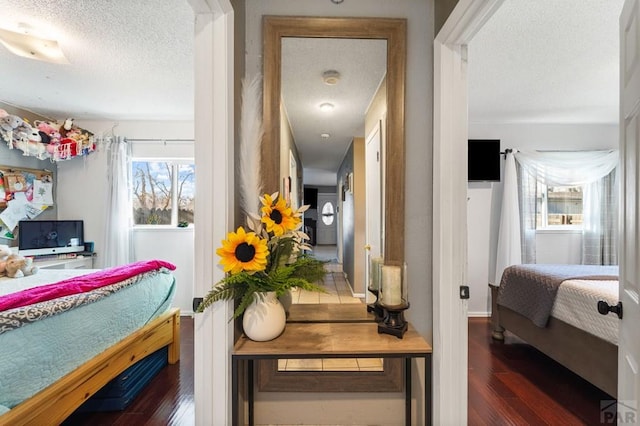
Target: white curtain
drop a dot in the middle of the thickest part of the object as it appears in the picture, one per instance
(118, 248)
(600, 221)
(595, 170)
(568, 168)
(509, 242)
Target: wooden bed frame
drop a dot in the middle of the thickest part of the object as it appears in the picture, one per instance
(58, 401)
(589, 356)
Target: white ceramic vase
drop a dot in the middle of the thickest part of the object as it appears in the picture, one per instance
(264, 319)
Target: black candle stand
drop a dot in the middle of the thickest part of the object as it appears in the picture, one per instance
(375, 307)
(393, 322)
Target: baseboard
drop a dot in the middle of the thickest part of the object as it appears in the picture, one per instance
(479, 314)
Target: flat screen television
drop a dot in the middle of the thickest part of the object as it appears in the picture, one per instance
(42, 237)
(483, 160)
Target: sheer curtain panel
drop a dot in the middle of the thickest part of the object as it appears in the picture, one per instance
(118, 248)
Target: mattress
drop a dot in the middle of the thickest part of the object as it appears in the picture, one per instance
(36, 354)
(576, 304)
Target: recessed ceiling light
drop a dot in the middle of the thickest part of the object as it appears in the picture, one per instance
(325, 135)
(331, 77)
(326, 107)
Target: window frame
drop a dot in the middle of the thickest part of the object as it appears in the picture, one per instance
(544, 211)
(175, 164)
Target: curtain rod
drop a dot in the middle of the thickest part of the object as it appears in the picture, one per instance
(160, 140)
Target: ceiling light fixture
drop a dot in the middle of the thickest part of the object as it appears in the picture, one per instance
(326, 107)
(325, 136)
(331, 77)
(29, 46)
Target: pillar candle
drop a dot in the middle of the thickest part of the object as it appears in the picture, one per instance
(391, 285)
(374, 272)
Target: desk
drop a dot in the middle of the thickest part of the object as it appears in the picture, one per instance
(332, 340)
(80, 262)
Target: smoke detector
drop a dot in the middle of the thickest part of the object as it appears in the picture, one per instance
(331, 77)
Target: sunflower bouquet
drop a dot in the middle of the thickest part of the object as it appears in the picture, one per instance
(271, 256)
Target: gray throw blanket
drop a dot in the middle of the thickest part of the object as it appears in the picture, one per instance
(531, 289)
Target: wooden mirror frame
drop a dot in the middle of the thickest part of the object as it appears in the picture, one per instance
(389, 29)
(394, 31)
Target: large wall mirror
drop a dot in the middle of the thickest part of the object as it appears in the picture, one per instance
(393, 31)
(373, 38)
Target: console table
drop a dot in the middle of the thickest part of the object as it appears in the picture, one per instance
(331, 340)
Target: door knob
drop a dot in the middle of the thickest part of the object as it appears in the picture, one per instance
(604, 308)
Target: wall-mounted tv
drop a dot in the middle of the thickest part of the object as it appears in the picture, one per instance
(483, 160)
(41, 237)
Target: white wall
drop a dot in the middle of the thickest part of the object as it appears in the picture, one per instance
(81, 194)
(484, 199)
(418, 191)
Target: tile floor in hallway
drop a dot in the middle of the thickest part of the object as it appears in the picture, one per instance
(338, 291)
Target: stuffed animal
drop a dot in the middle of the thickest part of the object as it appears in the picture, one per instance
(5, 252)
(19, 266)
(10, 122)
(66, 127)
(49, 132)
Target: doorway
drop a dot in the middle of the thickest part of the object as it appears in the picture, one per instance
(327, 221)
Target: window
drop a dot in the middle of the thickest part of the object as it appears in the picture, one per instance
(327, 213)
(163, 192)
(559, 206)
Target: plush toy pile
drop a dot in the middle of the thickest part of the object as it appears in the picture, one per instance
(45, 139)
(15, 266)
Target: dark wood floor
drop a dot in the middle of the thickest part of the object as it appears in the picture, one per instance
(166, 400)
(512, 383)
(509, 384)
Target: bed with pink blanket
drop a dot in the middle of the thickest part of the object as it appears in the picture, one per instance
(66, 333)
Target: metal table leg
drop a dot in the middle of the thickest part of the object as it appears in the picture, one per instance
(250, 390)
(407, 391)
(234, 391)
(428, 391)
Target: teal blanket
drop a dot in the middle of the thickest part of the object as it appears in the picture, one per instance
(36, 355)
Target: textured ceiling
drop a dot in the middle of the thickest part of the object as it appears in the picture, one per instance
(534, 61)
(128, 59)
(361, 64)
(549, 61)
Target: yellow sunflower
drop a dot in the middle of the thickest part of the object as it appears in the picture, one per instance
(278, 218)
(243, 251)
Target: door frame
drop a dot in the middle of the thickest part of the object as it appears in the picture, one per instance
(214, 133)
(450, 134)
(375, 250)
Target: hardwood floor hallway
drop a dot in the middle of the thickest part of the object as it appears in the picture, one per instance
(509, 384)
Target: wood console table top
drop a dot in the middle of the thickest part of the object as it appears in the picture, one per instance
(329, 312)
(333, 340)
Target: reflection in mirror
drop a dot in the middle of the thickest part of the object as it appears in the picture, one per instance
(333, 89)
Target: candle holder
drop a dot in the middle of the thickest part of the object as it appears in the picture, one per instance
(375, 271)
(393, 299)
